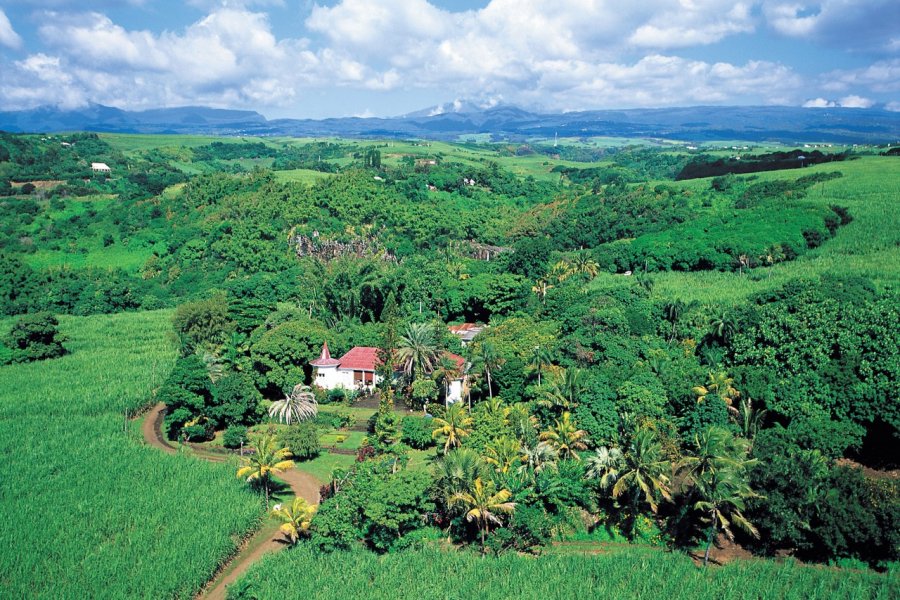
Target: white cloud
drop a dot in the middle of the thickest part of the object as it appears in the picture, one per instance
(881, 77)
(893, 106)
(819, 103)
(864, 25)
(854, 101)
(8, 35)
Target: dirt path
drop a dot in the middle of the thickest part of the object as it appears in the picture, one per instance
(301, 484)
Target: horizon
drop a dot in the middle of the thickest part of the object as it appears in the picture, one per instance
(387, 58)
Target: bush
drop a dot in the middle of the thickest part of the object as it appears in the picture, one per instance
(35, 337)
(197, 432)
(234, 436)
(417, 432)
(302, 440)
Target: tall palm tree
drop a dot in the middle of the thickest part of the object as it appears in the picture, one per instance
(585, 265)
(717, 449)
(749, 419)
(540, 359)
(486, 360)
(563, 393)
(295, 517)
(542, 456)
(456, 471)
(644, 475)
(418, 351)
(565, 437)
(455, 425)
(541, 287)
(722, 498)
(561, 271)
(485, 505)
(504, 453)
(267, 458)
(522, 422)
(300, 405)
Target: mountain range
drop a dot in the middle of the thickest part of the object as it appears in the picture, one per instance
(692, 124)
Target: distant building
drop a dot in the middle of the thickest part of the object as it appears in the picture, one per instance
(466, 331)
(356, 370)
(100, 168)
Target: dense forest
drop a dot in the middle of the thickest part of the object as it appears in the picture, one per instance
(665, 362)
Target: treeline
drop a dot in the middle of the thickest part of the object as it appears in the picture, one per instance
(793, 159)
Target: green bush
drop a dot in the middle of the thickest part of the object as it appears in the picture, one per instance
(234, 436)
(35, 337)
(417, 432)
(302, 440)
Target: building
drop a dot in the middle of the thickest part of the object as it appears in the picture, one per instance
(100, 168)
(356, 370)
(466, 331)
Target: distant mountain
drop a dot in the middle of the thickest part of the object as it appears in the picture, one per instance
(449, 121)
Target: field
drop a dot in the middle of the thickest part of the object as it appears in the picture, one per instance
(89, 510)
(869, 246)
(625, 573)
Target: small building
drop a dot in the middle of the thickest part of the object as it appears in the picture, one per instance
(100, 167)
(356, 370)
(466, 331)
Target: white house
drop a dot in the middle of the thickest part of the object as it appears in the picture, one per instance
(356, 370)
(100, 168)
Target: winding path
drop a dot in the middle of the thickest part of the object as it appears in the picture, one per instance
(302, 484)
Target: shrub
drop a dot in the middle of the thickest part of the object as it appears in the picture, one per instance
(302, 440)
(417, 432)
(233, 436)
(35, 337)
(197, 432)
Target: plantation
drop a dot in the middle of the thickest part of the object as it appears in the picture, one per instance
(654, 367)
(89, 509)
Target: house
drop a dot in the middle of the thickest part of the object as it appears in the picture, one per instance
(466, 331)
(100, 168)
(356, 370)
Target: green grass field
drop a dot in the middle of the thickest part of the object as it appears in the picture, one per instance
(624, 573)
(869, 246)
(90, 511)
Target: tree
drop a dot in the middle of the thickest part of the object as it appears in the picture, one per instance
(418, 351)
(486, 360)
(720, 386)
(723, 494)
(295, 517)
(504, 453)
(565, 437)
(643, 476)
(267, 458)
(563, 393)
(300, 405)
(484, 504)
(202, 325)
(302, 439)
(605, 466)
(540, 359)
(35, 337)
(445, 373)
(585, 265)
(455, 425)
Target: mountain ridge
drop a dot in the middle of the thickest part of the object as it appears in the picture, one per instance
(502, 122)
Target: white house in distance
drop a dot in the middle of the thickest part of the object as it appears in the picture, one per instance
(356, 370)
(100, 168)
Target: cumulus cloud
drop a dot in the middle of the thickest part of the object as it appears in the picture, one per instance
(893, 106)
(819, 103)
(864, 25)
(854, 101)
(882, 76)
(8, 35)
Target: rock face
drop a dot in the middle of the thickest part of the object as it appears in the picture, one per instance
(328, 250)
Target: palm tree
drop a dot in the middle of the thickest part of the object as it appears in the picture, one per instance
(521, 421)
(717, 450)
(585, 265)
(295, 517)
(485, 360)
(749, 419)
(720, 385)
(484, 503)
(418, 351)
(445, 373)
(454, 426)
(565, 437)
(673, 311)
(541, 287)
(605, 465)
(503, 453)
(561, 271)
(300, 405)
(723, 494)
(456, 471)
(723, 326)
(541, 456)
(540, 359)
(644, 473)
(266, 459)
(563, 394)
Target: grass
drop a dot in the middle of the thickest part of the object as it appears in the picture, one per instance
(91, 511)
(307, 176)
(627, 572)
(324, 465)
(869, 246)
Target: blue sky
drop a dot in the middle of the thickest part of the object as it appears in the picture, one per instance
(302, 58)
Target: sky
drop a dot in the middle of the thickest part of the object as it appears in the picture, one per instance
(307, 59)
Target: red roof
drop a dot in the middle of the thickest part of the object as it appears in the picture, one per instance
(360, 358)
(462, 328)
(459, 360)
(325, 359)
